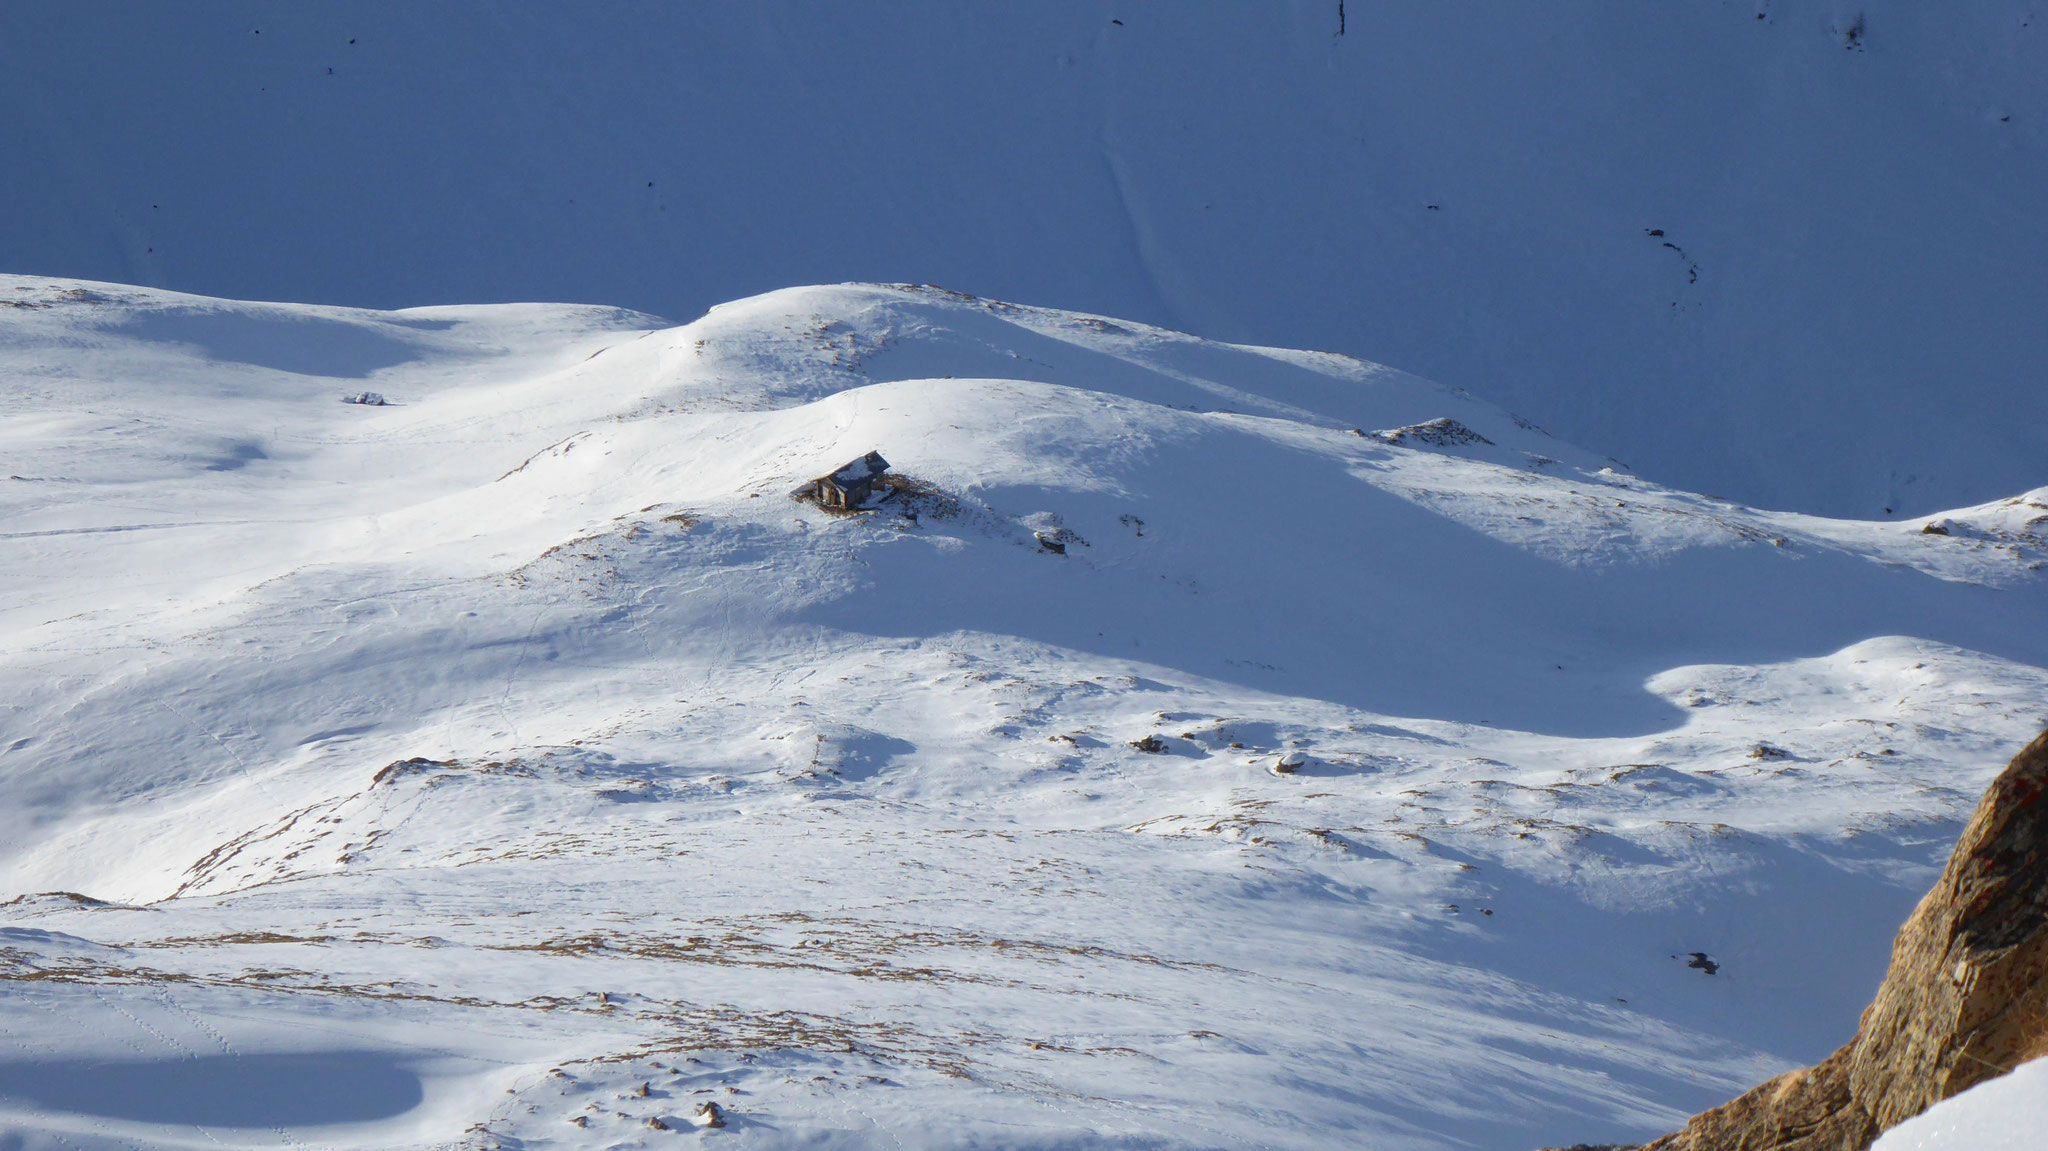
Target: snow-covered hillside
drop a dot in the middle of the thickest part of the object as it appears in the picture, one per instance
(1788, 251)
(515, 763)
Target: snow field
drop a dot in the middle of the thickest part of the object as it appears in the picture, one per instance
(525, 723)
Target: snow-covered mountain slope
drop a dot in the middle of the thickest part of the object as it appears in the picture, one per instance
(450, 769)
(1784, 250)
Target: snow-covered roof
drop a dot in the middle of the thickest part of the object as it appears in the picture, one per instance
(859, 471)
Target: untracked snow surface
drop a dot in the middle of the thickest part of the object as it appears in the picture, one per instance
(1198, 746)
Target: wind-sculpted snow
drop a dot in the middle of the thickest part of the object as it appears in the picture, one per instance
(520, 752)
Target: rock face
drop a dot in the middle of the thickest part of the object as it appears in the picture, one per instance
(1965, 999)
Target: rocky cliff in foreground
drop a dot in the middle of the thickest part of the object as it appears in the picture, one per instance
(1965, 1000)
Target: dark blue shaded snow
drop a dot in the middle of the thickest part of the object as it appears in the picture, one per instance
(306, 345)
(281, 1090)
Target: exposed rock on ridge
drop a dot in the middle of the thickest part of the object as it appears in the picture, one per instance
(1965, 999)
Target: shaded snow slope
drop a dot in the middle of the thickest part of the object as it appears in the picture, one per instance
(1784, 250)
(515, 743)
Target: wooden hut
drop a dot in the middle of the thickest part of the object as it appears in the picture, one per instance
(847, 487)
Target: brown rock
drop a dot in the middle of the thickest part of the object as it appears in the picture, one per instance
(1965, 999)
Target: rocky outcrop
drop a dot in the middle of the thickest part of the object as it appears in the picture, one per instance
(1965, 999)
(1442, 432)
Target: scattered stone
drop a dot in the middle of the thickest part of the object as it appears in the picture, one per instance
(708, 1114)
(367, 399)
(1936, 528)
(1850, 31)
(655, 1121)
(1051, 534)
(1289, 762)
(1150, 745)
(1768, 751)
(418, 763)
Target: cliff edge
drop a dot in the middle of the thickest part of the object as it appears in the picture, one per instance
(1965, 998)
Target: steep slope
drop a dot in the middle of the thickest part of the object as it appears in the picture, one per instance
(1965, 1000)
(518, 742)
(1784, 250)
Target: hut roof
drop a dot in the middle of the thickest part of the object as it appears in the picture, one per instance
(860, 471)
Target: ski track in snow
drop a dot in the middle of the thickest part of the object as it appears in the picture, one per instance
(441, 773)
